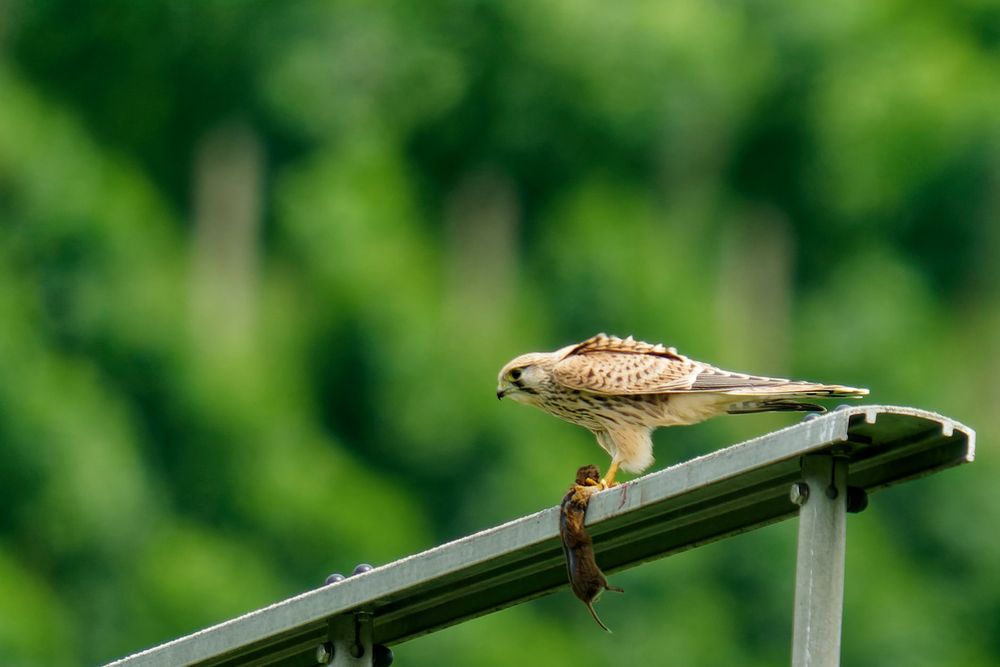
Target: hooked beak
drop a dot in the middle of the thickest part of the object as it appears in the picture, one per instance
(501, 392)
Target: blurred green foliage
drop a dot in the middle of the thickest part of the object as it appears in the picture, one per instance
(260, 262)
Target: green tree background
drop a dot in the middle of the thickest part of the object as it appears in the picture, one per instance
(260, 263)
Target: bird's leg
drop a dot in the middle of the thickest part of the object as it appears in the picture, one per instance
(609, 479)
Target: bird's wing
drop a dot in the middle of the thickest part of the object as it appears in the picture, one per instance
(611, 365)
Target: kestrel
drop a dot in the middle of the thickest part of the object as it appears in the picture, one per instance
(621, 390)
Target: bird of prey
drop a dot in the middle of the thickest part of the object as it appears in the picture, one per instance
(622, 389)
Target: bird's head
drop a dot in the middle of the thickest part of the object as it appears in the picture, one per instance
(523, 377)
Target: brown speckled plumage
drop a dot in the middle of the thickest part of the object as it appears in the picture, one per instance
(622, 389)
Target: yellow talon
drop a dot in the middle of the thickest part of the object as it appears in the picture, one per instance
(609, 479)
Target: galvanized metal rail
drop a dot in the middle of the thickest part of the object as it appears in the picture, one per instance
(810, 469)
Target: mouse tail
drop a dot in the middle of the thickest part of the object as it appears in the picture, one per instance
(593, 613)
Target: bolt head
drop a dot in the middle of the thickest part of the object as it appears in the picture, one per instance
(334, 578)
(799, 493)
(324, 653)
(382, 656)
(361, 569)
(857, 499)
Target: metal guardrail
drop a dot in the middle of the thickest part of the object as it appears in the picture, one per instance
(727, 492)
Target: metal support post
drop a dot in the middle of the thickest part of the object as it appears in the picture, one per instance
(350, 643)
(819, 572)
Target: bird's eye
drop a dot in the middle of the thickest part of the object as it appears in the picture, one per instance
(515, 374)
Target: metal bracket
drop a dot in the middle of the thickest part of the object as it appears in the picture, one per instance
(350, 643)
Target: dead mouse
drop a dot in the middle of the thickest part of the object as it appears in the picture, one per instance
(585, 577)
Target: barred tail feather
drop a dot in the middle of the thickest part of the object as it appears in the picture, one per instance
(798, 390)
(788, 398)
(776, 405)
